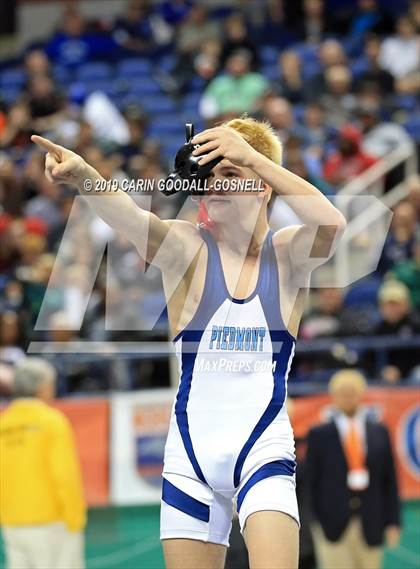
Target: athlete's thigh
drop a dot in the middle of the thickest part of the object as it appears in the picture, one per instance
(272, 539)
(192, 554)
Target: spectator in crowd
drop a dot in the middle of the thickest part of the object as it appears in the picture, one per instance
(349, 160)
(175, 11)
(36, 63)
(408, 272)
(368, 16)
(133, 30)
(329, 316)
(43, 511)
(237, 91)
(291, 83)
(17, 130)
(330, 54)
(400, 54)
(74, 43)
(46, 103)
(374, 74)
(279, 113)
(380, 137)
(316, 132)
(413, 196)
(401, 237)
(397, 319)
(352, 481)
(296, 164)
(10, 335)
(236, 37)
(315, 22)
(196, 28)
(338, 96)
(277, 29)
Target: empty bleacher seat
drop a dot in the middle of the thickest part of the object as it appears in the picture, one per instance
(269, 54)
(169, 126)
(94, 71)
(191, 102)
(9, 94)
(271, 72)
(363, 293)
(12, 78)
(158, 104)
(412, 126)
(143, 86)
(133, 67)
(63, 75)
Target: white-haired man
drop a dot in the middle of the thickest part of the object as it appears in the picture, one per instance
(42, 507)
(352, 481)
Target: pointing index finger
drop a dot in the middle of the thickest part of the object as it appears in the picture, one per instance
(46, 145)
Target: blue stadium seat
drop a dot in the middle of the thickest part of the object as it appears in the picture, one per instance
(167, 127)
(271, 72)
(191, 102)
(409, 103)
(104, 85)
(363, 293)
(12, 78)
(167, 63)
(412, 126)
(157, 105)
(9, 94)
(197, 84)
(144, 86)
(358, 66)
(62, 74)
(94, 71)
(130, 68)
(299, 112)
(269, 54)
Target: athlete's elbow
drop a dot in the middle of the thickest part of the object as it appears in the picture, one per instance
(340, 223)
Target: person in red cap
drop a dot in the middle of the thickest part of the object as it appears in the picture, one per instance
(349, 160)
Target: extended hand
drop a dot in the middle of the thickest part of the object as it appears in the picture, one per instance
(392, 536)
(226, 142)
(61, 164)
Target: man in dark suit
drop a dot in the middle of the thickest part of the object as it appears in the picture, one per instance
(352, 481)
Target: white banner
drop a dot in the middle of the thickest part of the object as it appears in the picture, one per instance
(139, 426)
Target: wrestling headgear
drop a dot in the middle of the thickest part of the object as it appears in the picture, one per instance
(188, 168)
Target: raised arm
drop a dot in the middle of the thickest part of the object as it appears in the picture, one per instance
(314, 242)
(144, 229)
(310, 244)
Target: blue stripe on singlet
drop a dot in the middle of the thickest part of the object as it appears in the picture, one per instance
(278, 467)
(181, 501)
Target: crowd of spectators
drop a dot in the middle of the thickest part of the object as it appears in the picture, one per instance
(339, 87)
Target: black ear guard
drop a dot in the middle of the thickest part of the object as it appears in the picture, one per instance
(188, 168)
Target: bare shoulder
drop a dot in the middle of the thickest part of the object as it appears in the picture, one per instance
(185, 231)
(188, 240)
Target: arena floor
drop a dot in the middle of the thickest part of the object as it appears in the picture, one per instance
(127, 538)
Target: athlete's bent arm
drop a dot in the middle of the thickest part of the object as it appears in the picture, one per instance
(144, 229)
(313, 242)
(310, 244)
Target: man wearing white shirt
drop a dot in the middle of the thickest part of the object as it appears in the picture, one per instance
(400, 54)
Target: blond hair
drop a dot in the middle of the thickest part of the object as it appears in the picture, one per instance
(260, 135)
(347, 378)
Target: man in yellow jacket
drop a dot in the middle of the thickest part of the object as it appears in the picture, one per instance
(42, 507)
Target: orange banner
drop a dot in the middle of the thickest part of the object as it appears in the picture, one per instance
(90, 420)
(399, 409)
